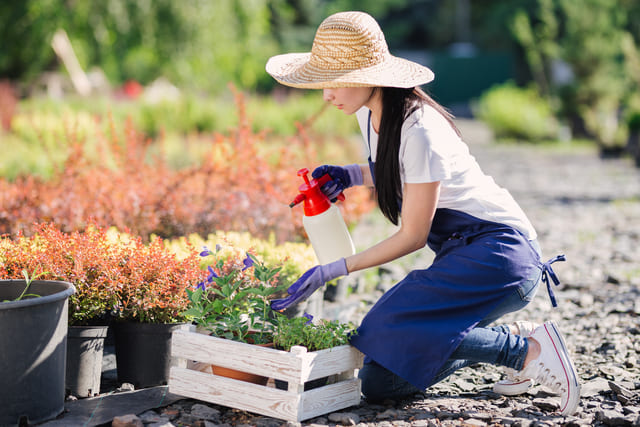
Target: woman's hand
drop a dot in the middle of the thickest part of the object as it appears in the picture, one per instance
(342, 177)
(311, 280)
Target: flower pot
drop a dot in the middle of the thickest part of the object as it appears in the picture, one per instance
(85, 346)
(143, 352)
(240, 375)
(33, 339)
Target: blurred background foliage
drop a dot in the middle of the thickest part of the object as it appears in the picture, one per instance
(578, 59)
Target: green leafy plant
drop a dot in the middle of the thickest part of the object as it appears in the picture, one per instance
(516, 113)
(319, 336)
(233, 302)
(28, 279)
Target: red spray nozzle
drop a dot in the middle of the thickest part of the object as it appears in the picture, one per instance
(315, 202)
(299, 198)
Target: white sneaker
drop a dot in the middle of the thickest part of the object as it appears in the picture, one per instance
(511, 386)
(554, 368)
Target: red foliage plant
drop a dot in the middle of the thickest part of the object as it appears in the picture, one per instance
(153, 282)
(236, 188)
(8, 103)
(127, 279)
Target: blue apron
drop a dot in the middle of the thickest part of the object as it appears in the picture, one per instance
(415, 326)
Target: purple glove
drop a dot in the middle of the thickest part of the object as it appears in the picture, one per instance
(309, 282)
(342, 177)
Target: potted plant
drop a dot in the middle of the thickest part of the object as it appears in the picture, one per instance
(233, 303)
(151, 301)
(227, 307)
(33, 330)
(87, 259)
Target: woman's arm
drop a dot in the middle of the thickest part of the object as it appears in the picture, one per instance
(418, 208)
(366, 175)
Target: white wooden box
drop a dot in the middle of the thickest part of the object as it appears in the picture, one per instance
(295, 367)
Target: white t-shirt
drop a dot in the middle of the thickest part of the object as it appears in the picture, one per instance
(430, 151)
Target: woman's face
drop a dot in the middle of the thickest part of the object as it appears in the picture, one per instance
(348, 99)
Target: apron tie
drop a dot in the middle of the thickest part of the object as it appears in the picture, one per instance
(547, 272)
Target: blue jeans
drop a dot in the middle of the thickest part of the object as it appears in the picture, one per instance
(495, 345)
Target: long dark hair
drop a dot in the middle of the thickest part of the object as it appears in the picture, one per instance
(397, 105)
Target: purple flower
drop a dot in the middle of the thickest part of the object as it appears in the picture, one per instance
(205, 252)
(248, 262)
(308, 316)
(202, 285)
(212, 274)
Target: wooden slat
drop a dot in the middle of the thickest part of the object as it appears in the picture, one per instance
(329, 398)
(236, 355)
(322, 363)
(264, 400)
(282, 365)
(235, 394)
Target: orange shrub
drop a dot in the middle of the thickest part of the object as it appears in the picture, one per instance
(122, 278)
(244, 184)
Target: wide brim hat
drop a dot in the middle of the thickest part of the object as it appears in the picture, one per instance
(349, 50)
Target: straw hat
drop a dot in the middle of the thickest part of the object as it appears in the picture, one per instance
(349, 50)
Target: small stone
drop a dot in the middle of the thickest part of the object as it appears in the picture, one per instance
(152, 417)
(388, 414)
(205, 412)
(546, 404)
(167, 423)
(594, 387)
(614, 418)
(464, 385)
(129, 420)
(344, 418)
(623, 394)
(171, 413)
(472, 422)
(126, 387)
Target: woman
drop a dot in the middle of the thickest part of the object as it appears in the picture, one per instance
(487, 261)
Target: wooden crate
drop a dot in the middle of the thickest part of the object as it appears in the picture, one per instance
(295, 367)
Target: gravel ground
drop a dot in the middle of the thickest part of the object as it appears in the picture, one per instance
(582, 206)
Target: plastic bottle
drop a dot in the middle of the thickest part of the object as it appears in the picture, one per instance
(323, 221)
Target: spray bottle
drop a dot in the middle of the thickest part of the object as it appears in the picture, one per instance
(323, 221)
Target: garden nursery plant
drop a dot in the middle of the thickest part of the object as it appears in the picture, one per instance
(234, 303)
(115, 276)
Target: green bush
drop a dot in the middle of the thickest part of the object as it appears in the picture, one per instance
(516, 113)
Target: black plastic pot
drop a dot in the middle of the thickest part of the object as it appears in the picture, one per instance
(33, 343)
(143, 352)
(85, 347)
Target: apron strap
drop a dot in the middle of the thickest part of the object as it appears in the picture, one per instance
(371, 163)
(547, 272)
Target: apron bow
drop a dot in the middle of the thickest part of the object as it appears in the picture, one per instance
(547, 272)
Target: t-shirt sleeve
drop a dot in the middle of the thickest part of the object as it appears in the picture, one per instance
(425, 157)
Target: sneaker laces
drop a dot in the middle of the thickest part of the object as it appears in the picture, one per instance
(536, 369)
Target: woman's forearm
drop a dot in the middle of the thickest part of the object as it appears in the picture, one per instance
(366, 176)
(418, 209)
(394, 247)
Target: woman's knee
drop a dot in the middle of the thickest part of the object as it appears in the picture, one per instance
(379, 383)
